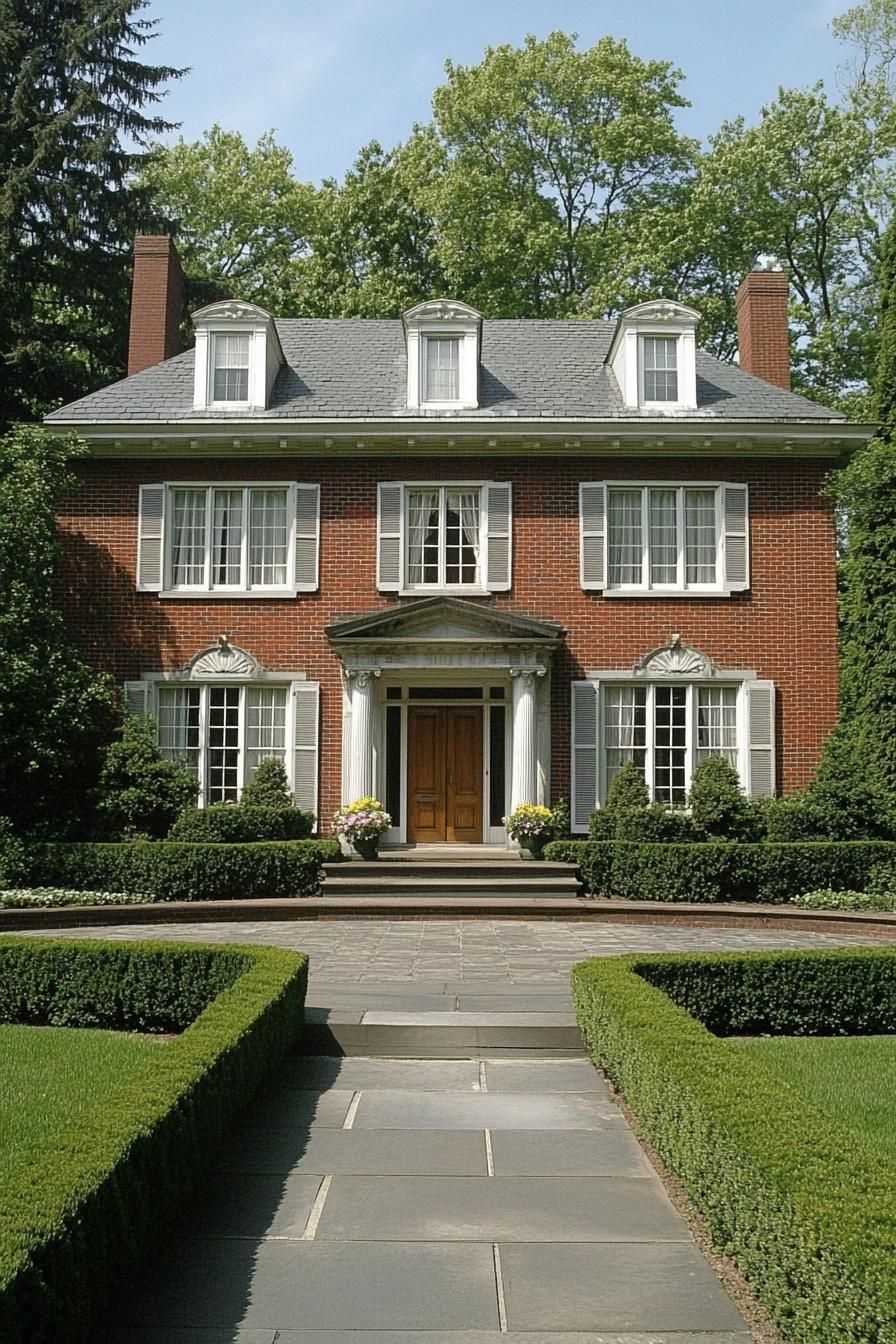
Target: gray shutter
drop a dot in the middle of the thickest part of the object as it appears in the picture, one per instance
(149, 539)
(306, 718)
(307, 537)
(735, 506)
(136, 698)
(390, 509)
(593, 534)
(584, 735)
(498, 543)
(761, 738)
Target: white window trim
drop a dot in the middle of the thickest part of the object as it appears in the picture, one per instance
(475, 589)
(443, 317)
(207, 589)
(691, 686)
(678, 404)
(227, 403)
(680, 588)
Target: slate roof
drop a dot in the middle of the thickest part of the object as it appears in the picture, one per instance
(353, 369)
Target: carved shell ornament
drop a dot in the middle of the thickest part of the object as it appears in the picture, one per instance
(223, 660)
(676, 659)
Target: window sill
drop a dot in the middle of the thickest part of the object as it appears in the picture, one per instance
(664, 592)
(220, 595)
(439, 592)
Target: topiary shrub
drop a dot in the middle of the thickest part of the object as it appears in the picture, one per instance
(847, 796)
(719, 809)
(268, 787)
(627, 793)
(656, 824)
(794, 818)
(240, 823)
(141, 791)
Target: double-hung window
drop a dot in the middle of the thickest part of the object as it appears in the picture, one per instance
(441, 369)
(230, 367)
(222, 733)
(259, 539)
(438, 538)
(659, 369)
(664, 538)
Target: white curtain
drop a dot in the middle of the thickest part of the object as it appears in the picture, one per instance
(625, 728)
(442, 372)
(188, 538)
(265, 725)
(462, 536)
(717, 722)
(227, 537)
(663, 536)
(268, 538)
(423, 536)
(700, 536)
(626, 545)
(178, 720)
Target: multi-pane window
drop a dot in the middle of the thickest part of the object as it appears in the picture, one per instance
(230, 367)
(659, 355)
(443, 537)
(441, 368)
(662, 536)
(667, 730)
(229, 537)
(222, 733)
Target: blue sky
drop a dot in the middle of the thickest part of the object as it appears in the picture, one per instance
(331, 75)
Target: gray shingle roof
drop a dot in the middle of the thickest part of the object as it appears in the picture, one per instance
(353, 369)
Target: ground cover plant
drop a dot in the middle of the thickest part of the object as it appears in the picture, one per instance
(802, 1202)
(83, 1209)
(852, 1079)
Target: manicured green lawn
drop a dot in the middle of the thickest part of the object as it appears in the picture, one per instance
(48, 1074)
(853, 1078)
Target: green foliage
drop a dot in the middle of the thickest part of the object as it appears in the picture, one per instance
(720, 871)
(239, 823)
(73, 129)
(170, 871)
(826, 899)
(239, 213)
(56, 713)
(268, 787)
(803, 1207)
(717, 803)
(84, 1212)
(12, 855)
(654, 824)
(627, 793)
(142, 793)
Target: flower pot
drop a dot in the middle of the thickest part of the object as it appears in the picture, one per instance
(367, 849)
(533, 847)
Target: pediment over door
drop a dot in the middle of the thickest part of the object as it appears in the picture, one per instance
(450, 627)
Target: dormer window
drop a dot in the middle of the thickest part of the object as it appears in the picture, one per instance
(659, 368)
(230, 366)
(653, 357)
(238, 357)
(443, 356)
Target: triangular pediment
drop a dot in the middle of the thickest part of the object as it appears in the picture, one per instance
(443, 620)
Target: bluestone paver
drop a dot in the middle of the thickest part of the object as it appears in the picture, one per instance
(491, 1110)
(361, 1152)
(611, 1151)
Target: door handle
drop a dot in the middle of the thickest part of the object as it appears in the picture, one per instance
(427, 797)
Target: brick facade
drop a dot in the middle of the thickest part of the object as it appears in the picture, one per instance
(784, 627)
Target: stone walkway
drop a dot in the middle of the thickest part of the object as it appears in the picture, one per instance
(438, 1201)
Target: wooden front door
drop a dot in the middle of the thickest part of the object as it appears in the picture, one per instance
(445, 774)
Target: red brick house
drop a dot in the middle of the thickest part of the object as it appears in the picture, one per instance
(460, 563)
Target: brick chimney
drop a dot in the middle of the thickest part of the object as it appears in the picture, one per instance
(762, 336)
(156, 302)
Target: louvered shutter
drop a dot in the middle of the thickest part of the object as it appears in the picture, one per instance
(498, 543)
(761, 738)
(307, 537)
(136, 698)
(735, 506)
(593, 534)
(150, 539)
(584, 737)
(390, 510)
(305, 721)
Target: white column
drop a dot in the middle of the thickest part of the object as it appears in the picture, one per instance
(524, 777)
(360, 773)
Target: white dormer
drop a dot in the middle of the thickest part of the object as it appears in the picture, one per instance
(238, 356)
(443, 355)
(653, 356)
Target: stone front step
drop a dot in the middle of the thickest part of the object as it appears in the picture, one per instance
(441, 1035)
(486, 878)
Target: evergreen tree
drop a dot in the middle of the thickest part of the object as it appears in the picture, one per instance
(141, 791)
(866, 491)
(72, 96)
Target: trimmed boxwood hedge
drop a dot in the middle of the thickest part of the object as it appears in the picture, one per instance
(804, 1208)
(720, 871)
(85, 1210)
(163, 870)
(241, 823)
